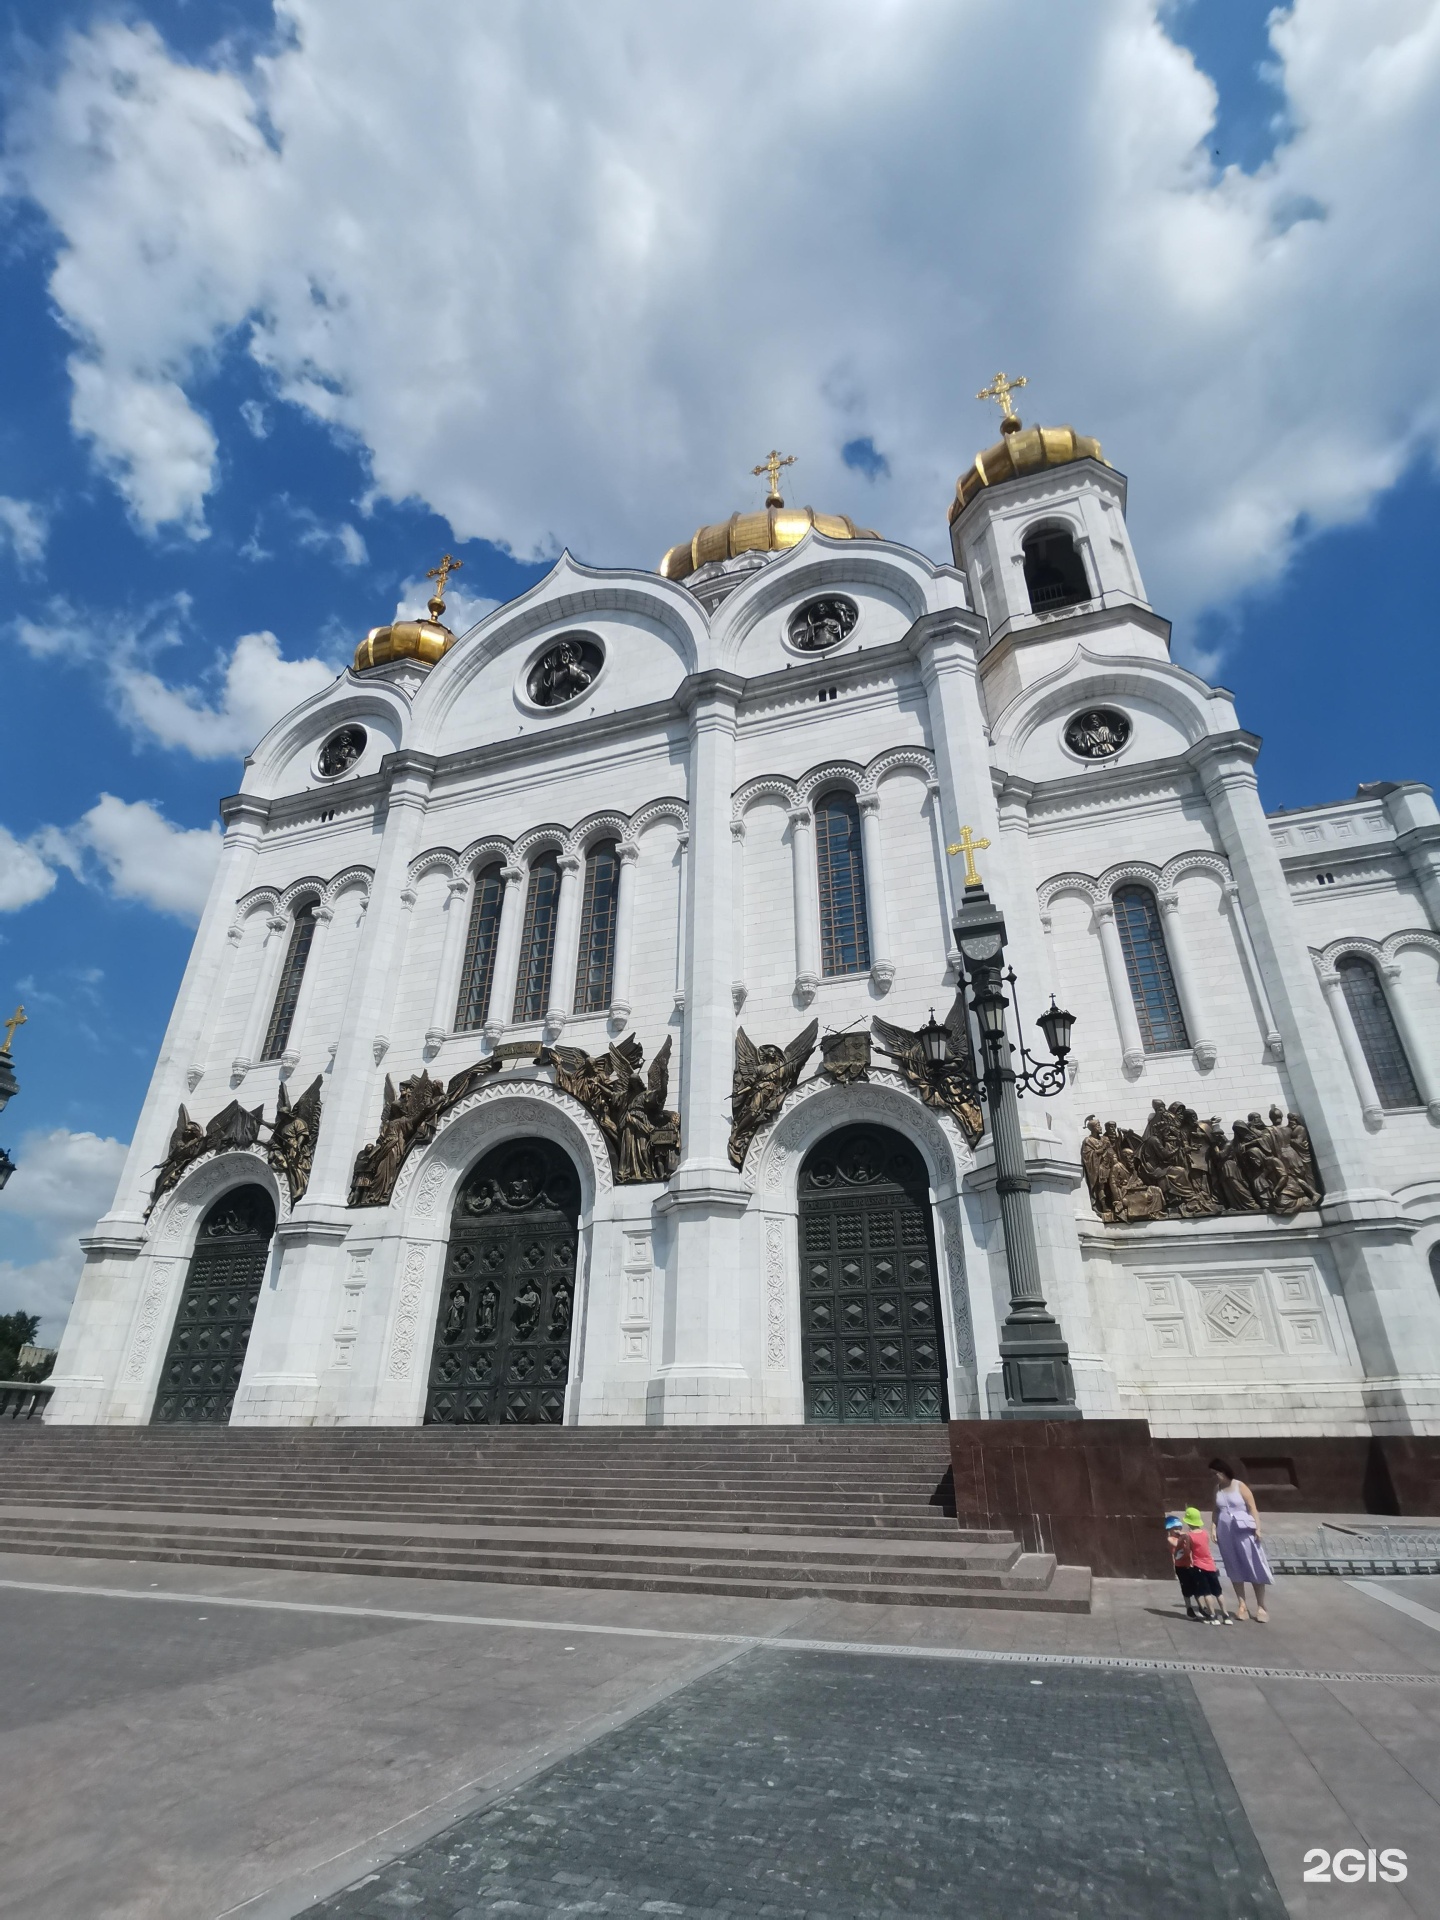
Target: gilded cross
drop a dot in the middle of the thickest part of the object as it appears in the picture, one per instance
(448, 565)
(1000, 390)
(17, 1019)
(771, 464)
(969, 846)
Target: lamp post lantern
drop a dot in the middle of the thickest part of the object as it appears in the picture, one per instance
(1034, 1359)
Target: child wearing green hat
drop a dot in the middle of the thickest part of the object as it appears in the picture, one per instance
(1207, 1574)
(1178, 1541)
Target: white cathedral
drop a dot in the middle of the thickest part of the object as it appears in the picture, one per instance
(554, 1043)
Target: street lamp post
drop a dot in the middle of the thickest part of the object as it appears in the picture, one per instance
(1035, 1361)
(9, 1085)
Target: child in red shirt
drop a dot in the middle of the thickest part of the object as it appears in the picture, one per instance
(1207, 1576)
(1178, 1541)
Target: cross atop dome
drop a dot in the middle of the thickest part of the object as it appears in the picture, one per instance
(1000, 390)
(771, 464)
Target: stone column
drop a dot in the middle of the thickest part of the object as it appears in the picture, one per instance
(1333, 988)
(567, 933)
(682, 932)
(507, 954)
(1117, 977)
(624, 934)
(882, 959)
(305, 999)
(942, 861)
(1274, 1045)
(262, 1003)
(806, 884)
(737, 884)
(1395, 1315)
(1412, 811)
(1187, 982)
(701, 1377)
(452, 958)
(1413, 1038)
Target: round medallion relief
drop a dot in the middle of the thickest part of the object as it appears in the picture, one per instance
(340, 752)
(822, 624)
(1097, 733)
(564, 671)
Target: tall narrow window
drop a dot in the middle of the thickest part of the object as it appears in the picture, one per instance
(537, 942)
(844, 933)
(1054, 571)
(478, 972)
(1152, 985)
(302, 933)
(1375, 1024)
(595, 968)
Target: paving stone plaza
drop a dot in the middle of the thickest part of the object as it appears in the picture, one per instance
(222, 1741)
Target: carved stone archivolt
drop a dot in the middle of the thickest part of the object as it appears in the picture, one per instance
(1185, 1168)
(233, 1129)
(408, 1120)
(953, 1086)
(641, 1134)
(763, 1076)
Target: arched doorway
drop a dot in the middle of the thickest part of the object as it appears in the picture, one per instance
(217, 1309)
(502, 1333)
(869, 1289)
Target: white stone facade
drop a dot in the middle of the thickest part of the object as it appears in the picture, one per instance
(701, 747)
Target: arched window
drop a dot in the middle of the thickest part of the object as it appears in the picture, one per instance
(1435, 1265)
(537, 942)
(302, 934)
(844, 930)
(595, 968)
(1152, 984)
(1054, 571)
(1375, 1024)
(479, 969)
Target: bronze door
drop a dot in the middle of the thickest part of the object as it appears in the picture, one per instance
(217, 1309)
(869, 1292)
(502, 1334)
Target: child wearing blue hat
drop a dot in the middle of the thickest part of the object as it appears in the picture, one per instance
(1177, 1538)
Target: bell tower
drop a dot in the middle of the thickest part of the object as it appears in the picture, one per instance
(1038, 524)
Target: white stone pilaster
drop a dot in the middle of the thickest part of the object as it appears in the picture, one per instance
(507, 953)
(262, 1001)
(629, 853)
(805, 880)
(1187, 980)
(1117, 978)
(682, 934)
(452, 958)
(882, 953)
(1274, 1045)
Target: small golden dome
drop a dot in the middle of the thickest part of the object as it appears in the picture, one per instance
(770, 531)
(1022, 450)
(422, 640)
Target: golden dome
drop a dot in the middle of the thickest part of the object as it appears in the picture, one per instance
(771, 530)
(1022, 450)
(422, 640)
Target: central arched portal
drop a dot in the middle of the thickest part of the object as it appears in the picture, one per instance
(217, 1309)
(869, 1292)
(502, 1334)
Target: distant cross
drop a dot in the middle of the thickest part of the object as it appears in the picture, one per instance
(448, 565)
(771, 464)
(17, 1019)
(1000, 390)
(969, 846)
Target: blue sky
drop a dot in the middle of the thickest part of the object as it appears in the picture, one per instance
(371, 400)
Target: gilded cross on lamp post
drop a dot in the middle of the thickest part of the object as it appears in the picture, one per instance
(771, 464)
(969, 846)
(17, 1019)
(1000, 390)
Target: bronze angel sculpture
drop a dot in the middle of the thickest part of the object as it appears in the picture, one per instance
(291, 1146)
(233, 1129)
(764, 1075)
(952, 1086)
(642, 1135)
(409, 1118)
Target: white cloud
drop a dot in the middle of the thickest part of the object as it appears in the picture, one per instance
(345, 542)
(25, 875)
(63, 1182)
(145, 858)
(257, 686)
(23, 526)
(126, 845)
(255, 418)
(618, 264)
(462, 610)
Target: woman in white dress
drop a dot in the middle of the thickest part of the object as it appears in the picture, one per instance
(1238, 1536)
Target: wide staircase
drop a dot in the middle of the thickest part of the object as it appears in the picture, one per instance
(776, 1513)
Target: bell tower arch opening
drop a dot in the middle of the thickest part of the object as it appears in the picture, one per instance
(871, 1339)
(217, 1310)
(501, 1354)
(1054, 570)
